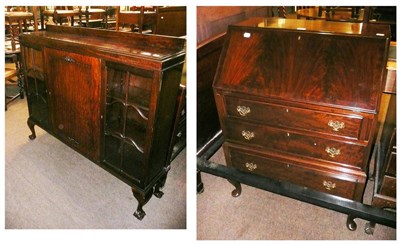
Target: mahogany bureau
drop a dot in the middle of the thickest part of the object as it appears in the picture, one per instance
(109, 95)
(298, 101)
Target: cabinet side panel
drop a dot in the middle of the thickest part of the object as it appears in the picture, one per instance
(163, 122)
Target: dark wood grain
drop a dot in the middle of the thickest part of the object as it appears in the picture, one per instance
(146, 51)
(385, 169)
(109, 96)
(171, 21)
(292, 142)
(208, 53)
(298, 100)
(329, 70)
(309, 120)
(76, 115)
(292, 171)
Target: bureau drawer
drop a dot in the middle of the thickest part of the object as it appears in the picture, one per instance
(343, 153)
(298, 118)
(332, 182)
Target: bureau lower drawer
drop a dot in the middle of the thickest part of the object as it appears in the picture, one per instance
(333, 182)
(303, 119)
(287, 141)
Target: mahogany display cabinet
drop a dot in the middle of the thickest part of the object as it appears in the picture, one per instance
(111, 96)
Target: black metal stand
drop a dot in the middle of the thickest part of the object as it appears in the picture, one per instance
(339, 204)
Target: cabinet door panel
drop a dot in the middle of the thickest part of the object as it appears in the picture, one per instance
(127, 117)
(36, 86)
(74, 80)
(37, 100)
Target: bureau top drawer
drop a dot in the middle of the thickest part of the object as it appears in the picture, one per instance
(345, 125)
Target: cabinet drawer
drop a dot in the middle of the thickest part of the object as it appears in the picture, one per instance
(294, 142)
(336, 183)
(298, 118)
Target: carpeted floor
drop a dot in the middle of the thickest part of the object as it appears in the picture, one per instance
(50, 186)
(261, 215)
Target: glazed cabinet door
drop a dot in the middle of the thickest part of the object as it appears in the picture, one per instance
(36, 86)
(74, 82)
(127, 114)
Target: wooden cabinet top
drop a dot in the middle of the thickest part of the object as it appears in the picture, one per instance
(147, 51)
(318, 26)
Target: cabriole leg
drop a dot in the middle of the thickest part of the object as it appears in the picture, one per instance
(159, 185)
(31, 126)
(351, 225)
(200, 185)
(142, 200)
(238, 188)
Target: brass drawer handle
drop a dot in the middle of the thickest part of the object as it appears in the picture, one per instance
(251, 166)
(329, 185)
(336, 125)
(332, 152)
(243, 110)
(248, 135)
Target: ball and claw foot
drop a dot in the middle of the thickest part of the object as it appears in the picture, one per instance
(158, 193)
(369, 228)
(157, 188)
(351, 225)
(139, 214)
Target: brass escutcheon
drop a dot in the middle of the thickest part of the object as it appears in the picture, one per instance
(69, 59)
(329, 185)
(332, 152)
(336, 125)
(251, 166)
(243, 110)
(248, 135)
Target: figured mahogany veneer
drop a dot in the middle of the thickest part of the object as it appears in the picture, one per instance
(298, 100)
(295, 171)
(110, 96)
